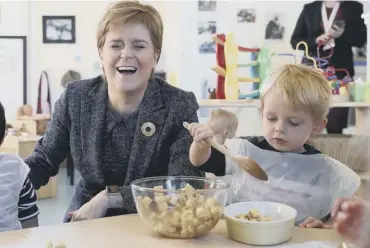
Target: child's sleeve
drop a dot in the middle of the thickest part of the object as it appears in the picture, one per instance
(27, 207)
(13, 173)
(215, 164)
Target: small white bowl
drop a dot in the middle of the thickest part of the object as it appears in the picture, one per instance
(272, 232)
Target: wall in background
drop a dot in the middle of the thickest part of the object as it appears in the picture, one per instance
(195, 67)
(11, 23)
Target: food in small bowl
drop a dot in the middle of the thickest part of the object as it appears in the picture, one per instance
(260, 223)
(180, 207)
(254, 215)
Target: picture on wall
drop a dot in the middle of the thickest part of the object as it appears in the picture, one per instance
(206, 29)
(246, 15)
(207, 5)
(59, 29)
(275, 29)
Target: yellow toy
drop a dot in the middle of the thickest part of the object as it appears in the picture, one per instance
(227, 65)
(231, 78)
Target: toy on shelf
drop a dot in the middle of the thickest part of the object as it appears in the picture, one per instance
(360, 90)
(227, 64)
(340, 87)
(228, 80)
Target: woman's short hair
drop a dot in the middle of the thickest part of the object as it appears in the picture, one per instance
(132, 12)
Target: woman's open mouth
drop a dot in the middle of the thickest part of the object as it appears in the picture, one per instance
(126, 70)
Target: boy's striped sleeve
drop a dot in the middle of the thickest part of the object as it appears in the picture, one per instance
(27, 207)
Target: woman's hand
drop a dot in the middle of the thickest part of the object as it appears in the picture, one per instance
(96, 208)
(335, 32)
(349, 218)
(311, 222)
(323, 39)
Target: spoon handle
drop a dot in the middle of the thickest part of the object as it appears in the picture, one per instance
(214, 144)
(219, 148)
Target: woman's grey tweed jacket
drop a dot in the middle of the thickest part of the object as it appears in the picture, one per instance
(78, 125)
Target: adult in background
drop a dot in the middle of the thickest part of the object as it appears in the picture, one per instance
(122, 125)
(338, 24)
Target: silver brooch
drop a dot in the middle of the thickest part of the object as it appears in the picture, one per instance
(148, 129)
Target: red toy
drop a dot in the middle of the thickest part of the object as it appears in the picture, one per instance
(220, 57)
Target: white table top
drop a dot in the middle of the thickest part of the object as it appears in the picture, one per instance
(119, 231)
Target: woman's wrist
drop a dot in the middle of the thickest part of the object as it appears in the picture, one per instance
(103, 198)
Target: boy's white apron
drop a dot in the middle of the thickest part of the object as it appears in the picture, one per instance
(308, 183)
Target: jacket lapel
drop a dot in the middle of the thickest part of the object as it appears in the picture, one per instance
(94, 109)
(152, 113)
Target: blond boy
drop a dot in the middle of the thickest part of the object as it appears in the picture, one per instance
(294, 103)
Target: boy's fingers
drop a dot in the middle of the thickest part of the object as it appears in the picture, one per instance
(343, 218)
(191, 127)
(201, 129)
(308, 220)
(194, 129)
(203, 135)
(315, 224)
(327, 226)
(337, 207)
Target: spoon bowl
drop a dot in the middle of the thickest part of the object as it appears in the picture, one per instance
(250, 166)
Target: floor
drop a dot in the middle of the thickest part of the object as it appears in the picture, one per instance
(52, 210)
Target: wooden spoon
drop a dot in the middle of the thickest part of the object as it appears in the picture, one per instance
(245, 163)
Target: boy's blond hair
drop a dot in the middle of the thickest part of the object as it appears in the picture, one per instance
(302, 87)
(221, 119)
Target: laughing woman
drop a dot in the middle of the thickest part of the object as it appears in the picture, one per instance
(121, 126)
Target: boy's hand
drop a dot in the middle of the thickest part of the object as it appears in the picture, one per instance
(200, 133)
(200, 150)
(311, 222)
(349, 219)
